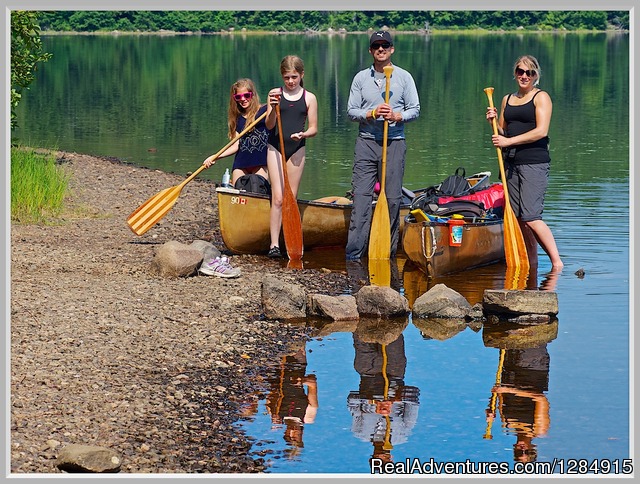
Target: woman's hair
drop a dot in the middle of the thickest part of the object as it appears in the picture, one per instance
(234, 107)
(531, 63)
(292, 63)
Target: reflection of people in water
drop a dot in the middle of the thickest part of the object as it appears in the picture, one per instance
(547, 283)
(384, 409)
(522, 404)
(287, 401)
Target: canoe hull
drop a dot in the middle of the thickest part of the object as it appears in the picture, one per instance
(428, 245)
(244, 222)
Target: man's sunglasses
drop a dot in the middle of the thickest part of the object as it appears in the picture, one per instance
(244, 95)
(529, 73)
(377, 45)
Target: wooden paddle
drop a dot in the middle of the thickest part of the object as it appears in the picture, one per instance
(150, 212)
(291, 222)
(380, 234)
(515, 250)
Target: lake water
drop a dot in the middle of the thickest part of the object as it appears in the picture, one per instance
(161, 102)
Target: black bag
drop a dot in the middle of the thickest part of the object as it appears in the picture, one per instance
(455, 185)
(466, 208)
(253, 183)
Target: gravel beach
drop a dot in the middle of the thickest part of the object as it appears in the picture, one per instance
(106, 352)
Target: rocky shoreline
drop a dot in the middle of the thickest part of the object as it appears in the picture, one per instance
(106, 352)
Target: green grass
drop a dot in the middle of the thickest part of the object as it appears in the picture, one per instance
(38, 186)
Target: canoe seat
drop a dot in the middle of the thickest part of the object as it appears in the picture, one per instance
(335, 200)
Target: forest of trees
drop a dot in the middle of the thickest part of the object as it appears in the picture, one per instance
(319, 21)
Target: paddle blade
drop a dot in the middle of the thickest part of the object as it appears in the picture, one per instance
(515, 249)
(150, 212)
(292, 225)
(515, 279)
(295, 264)
(380, 234)
(380, 272)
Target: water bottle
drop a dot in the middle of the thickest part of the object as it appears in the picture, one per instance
(226, 178)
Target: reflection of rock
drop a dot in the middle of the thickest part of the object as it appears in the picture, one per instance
(337, 327)
(381, 331)
(439, 328)
(519, 337)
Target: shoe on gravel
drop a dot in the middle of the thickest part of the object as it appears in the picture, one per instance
(219, 266)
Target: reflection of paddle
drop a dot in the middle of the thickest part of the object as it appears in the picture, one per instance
(150, 212)
(515, 250)
(387, 433)
(291, 222)
(494, 396)
(380, 234)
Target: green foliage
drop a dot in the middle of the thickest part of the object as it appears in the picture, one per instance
(38, 186)
(26, 53)
(312, 20)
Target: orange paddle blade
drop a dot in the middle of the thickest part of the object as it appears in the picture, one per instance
(295, 264)
(292, 226)
(515, 279)
(150, 212)
(515, 249)
(291, 221)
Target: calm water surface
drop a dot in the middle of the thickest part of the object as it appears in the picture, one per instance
(160, 102)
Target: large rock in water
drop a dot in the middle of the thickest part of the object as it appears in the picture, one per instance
(381, 301)
(523, 307)
(441, 302)
(336, 308)
(282, 300)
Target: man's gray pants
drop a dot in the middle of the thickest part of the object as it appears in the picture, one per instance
(367, 169)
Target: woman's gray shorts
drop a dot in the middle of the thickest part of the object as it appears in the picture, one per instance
(527, 185)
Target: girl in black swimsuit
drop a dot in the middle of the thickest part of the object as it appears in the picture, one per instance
(297, 108)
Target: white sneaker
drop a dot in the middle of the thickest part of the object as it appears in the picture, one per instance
(220, 267)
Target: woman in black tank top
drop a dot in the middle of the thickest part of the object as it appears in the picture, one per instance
(523, 127)
(297, 107)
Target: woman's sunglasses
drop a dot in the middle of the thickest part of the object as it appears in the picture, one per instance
(529, 73)
(244, 95)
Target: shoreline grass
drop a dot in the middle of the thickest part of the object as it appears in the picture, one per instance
(38, 186)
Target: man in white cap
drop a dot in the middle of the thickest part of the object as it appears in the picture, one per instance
(367, 106)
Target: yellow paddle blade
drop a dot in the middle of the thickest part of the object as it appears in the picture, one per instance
(149, 213)
(380, 272)
(380, 234)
